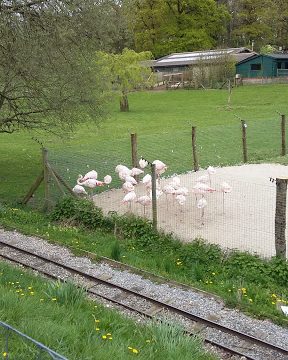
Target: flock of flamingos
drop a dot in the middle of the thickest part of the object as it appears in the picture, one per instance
(173, 189)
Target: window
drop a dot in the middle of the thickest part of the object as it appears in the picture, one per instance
(279, 65)
(255, 66)
(286, 65)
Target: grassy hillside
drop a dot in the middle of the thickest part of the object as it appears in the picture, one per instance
(162, 120)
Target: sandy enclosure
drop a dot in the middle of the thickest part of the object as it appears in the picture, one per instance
(242, 219)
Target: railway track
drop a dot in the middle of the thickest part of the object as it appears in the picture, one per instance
(231, 341)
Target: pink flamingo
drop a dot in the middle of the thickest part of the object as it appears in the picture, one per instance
(79, 190)
(202, 203)
(160, 168)
(225, 189)
(129, 198)
(128, 187)
(90, 183)
(90, 175)
(144, 200)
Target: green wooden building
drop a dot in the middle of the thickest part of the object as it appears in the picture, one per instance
(263, 66)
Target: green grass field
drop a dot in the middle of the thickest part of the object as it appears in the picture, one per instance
(59, 316)
(162, 121)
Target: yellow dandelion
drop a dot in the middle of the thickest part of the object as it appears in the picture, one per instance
(274, 295)
(108, 334)
(148, 341)
(54, 299)
(229, 290)
(273, 303)
(5, 354)
(130, 348)
(250, 300)
(213, 273)
(110, 338)
(135, 351)
(97, 329)
(31, 292)
(30, 288)
(104, 337)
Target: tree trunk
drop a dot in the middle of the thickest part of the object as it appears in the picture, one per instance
(124, 105)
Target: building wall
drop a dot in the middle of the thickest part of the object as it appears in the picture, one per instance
(261, 66)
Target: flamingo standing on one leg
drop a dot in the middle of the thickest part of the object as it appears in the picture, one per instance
(225, 189)
(211, 171)
(202, 203)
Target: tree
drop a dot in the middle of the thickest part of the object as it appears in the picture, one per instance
(48, 76)
(165, 26)
(126, 72)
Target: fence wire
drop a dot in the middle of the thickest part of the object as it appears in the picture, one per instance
(247, 220)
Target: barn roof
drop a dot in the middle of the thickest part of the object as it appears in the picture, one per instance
(273, 56)
(190, 58)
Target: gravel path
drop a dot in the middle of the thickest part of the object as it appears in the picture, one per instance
(197, 303)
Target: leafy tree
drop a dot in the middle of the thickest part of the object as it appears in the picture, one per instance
(48, 76)
(165, 26)
(126, 72)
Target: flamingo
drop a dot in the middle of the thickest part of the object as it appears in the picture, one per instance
(130, 179)
(181, 199)
(129, 198)
(107, 179)
(202, 203)
(175, 182)
(147, 181)
(122, 168)
(181, 191)
(90, 183)
(79, 190)
(90, 175)
(168, 190)
(143, 163)
(136, 172)
(123, 173)
(225, 189)
(211, 171)
(203, 179)
(144, 200)
(160, 168)
(128, 187)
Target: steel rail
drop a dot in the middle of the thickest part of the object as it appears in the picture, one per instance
(166, 306)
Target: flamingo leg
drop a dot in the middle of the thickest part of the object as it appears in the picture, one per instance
(223, 202)
(202, 217)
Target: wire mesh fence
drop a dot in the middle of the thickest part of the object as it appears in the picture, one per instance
(241, 219)
(219, 146)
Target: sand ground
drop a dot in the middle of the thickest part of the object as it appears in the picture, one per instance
(242, 219)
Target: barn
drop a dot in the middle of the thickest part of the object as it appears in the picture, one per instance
(199, 67)
(267, 67)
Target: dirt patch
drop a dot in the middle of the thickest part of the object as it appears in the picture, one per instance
(242, 219)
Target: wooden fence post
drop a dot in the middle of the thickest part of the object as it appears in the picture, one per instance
(46, 180)
(154, 198)
(134, 150)
(194, 151)
(244, 141)
(280, 217)
(283, 135)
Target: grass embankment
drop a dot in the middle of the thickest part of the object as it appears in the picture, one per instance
(59, 316)
(163, 122)
(244, 281)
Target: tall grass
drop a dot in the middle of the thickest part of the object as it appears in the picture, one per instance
(88, 331)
